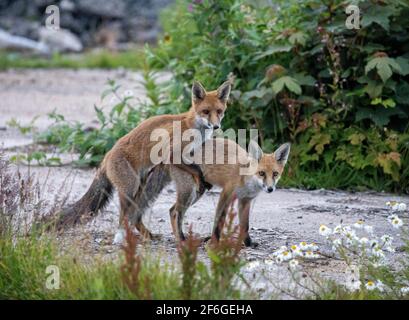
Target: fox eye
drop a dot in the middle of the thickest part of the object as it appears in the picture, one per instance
(275, 174)
(261, 173)
(219, 111)
(206, 111)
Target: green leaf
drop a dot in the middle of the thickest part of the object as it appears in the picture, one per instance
(373, 89)
(290, 83)
(275, 48)
(298, 38)
(384, 67)
(356, 138)
(386, 103)
(305, 80)
(404, 65)
(380, 116)
(377, 14)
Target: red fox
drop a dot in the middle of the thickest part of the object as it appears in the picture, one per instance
(245, 186)
(127, 165)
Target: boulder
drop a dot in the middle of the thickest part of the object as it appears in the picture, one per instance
(12, 42)
(61, 40)
(105, 9)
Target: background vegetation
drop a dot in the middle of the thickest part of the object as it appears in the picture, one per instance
(340, 96)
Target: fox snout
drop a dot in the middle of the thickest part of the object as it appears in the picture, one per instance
(209, 124)
(269, 188)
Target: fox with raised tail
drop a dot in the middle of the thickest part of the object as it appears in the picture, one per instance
(244, 178)
(128, 164)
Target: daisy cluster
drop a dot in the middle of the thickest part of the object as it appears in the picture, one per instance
(359, 238)
(353, 282)
(396, 206)
(302, 250)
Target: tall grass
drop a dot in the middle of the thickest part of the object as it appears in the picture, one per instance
(131, 59)
(27, 253)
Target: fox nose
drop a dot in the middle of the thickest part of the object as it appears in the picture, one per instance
(216, 126)
(270, 189)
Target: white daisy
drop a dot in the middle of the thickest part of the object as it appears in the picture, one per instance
(364, 241)
(294, 247)
(286, 255)
(359, 224)
(310, 255)
(401, 207)
(304, 246)
(353, 285)
(313, 246)
(370, 285)
(380, 286)
(324, 231)
(386, 239)
(336, 244)
(397, 223)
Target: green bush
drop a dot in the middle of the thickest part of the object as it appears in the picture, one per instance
(341, 96)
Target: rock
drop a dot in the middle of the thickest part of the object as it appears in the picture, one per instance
(106, 9)
(61, 40)
(67, 5)
(20, 27)
(8, 41)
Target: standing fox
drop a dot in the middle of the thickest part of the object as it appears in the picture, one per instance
(265, 171)
(128, 164)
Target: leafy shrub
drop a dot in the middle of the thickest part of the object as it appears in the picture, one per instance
(340, 95)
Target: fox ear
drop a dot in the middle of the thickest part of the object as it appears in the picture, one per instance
(223, 92)
(255, 150)
(282, 153)
(198, 91)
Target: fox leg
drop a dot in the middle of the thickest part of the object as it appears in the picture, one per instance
(186, 195)
(177, 213)
(128, 207)
(197, 175)
(244, 213)
(128, 183)
(222, 206)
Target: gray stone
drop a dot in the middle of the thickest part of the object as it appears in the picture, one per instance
(11, 42)
(61, 40)
(108, 9)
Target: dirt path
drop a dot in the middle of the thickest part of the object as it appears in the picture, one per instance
(284, 217)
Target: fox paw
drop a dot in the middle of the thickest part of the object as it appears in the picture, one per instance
(250, 243)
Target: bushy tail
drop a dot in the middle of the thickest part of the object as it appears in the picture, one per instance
(96, 198)
(157, 179)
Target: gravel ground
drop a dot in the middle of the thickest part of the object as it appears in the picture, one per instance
(284, 217)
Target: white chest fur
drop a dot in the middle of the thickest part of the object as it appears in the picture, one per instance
(250, 189)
